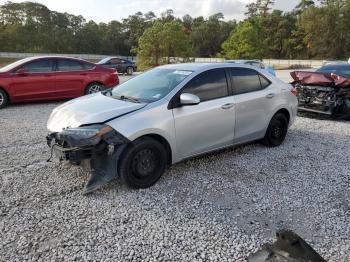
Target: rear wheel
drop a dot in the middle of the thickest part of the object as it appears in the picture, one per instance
(276, 131)
(94, 88)
(3, 99)
(142, 163)
(129, 71)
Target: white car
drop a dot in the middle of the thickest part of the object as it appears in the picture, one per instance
(168, 114)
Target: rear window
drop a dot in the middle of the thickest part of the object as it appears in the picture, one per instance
(247, 80)
(69, 65)
(88, 66)
(264, 82)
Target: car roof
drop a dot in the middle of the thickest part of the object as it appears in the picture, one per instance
(203, 66)
(336, 64)
(33, 58)
(54, 56)
(241, 61)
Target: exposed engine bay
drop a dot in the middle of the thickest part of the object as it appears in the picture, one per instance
(322, 93)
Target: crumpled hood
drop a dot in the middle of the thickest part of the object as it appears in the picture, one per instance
(95, 108)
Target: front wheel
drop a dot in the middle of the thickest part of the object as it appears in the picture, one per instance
(143, 163)
(3, 99)
(94, 88)
(129, 71)
(276, 131)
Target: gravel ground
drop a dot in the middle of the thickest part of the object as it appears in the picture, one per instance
(219, 207)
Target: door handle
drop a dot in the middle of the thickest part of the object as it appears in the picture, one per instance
(271, 95)
(228, 106)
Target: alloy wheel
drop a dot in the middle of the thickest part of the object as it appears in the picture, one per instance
(2, 99)
(95, 88)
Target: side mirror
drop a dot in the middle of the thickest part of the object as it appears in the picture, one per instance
(187, 99)
(22, 72)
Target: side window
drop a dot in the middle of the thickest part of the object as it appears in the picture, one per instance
(208, 85)
(69, 65)
(114, 61)
(264, 82)
(40, 66)
(88, 66)
(247, 80)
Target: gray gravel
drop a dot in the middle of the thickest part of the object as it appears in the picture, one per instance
(219, 207)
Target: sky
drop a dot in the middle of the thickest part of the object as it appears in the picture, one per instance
(107, 10)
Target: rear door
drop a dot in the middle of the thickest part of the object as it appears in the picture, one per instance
(34, 81)
(115, 63)
(210, 124)
(71, 78)
(254, 97)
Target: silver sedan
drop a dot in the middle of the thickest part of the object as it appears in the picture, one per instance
(168, 114)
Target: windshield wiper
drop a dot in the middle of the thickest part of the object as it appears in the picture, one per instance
(129, 98)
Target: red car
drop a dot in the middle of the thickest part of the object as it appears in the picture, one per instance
(52, 78)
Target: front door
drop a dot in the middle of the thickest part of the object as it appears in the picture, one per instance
(34, 81)
(210, 124)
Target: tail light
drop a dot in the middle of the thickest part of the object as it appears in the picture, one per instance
(294, 91)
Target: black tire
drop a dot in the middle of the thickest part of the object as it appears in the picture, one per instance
(276, 131)
(129, 71)
(3, 99)
(142, 163)
(94, 88)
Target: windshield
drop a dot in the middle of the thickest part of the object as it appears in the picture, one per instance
(343, 70)
(14, 65)
(104, 60)
(152, 85)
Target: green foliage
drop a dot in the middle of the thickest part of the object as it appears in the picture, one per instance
(310, 31)
(162, 41)
(314, 29)
(207, 35)
(245, 41)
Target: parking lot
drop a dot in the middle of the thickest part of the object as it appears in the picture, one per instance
(218, 207)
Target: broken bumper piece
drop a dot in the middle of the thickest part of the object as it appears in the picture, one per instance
(100, 144)
(289, 247)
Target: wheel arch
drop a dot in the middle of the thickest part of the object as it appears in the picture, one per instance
(93, 82)
(161, 140)
(6, 93)
(283, 111)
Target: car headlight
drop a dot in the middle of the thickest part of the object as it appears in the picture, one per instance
(87, 132)
(84, 136)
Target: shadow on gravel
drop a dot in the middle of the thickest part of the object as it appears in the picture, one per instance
(36, 103)
(323, 117)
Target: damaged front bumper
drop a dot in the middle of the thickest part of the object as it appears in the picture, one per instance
(100, 144)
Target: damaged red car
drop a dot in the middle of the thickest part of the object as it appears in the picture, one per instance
(326, 91)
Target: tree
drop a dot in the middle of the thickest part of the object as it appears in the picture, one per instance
(175, 41)
(245, 41)
(207, 35)
(277, 28)
(162, 40)
(135, 25)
